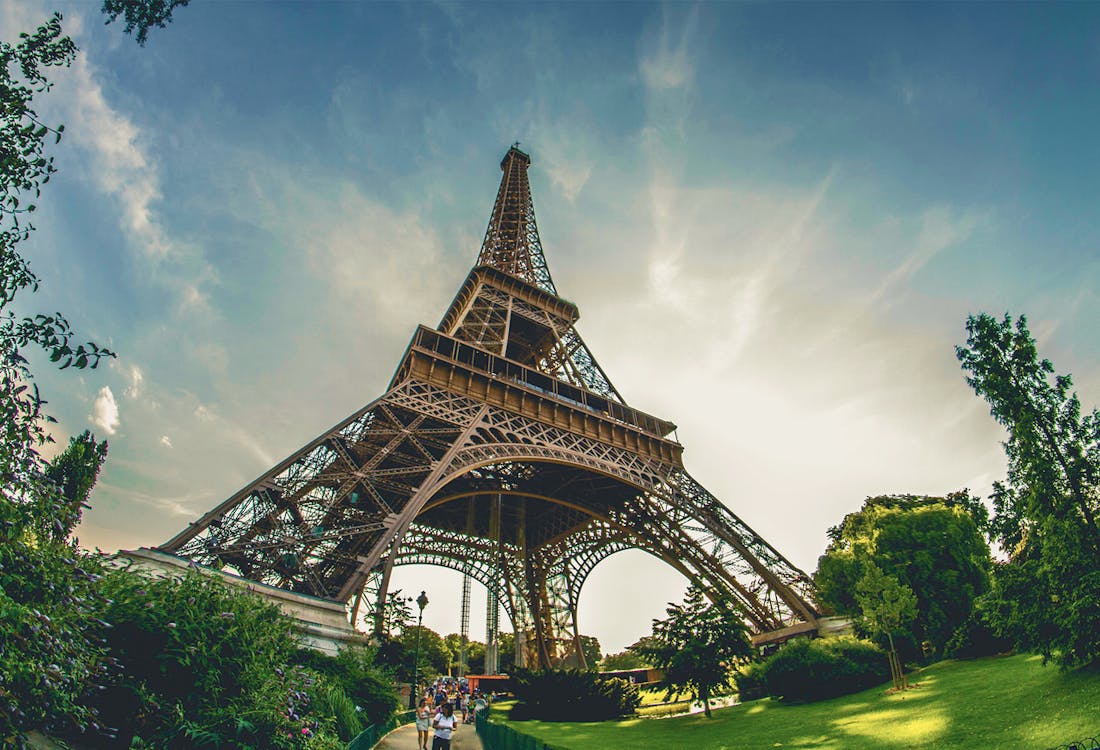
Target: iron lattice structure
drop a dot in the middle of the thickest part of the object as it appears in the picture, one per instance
(502, 450)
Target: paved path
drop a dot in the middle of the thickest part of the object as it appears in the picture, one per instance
(405, 739)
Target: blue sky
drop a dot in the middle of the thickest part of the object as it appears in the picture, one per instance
(774, 218)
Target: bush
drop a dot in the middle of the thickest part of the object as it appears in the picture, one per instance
(51, 656)
(203, 663)
(354, 670)
(571, 695)
(750, 682)
(975, 638)
(810, 670)
(332, 700)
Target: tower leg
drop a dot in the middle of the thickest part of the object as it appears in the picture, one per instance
(492, 606)
(464, 627)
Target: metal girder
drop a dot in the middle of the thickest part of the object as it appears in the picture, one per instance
(503, 451)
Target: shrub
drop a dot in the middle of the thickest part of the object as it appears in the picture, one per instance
(206, 664)
(50, 657)
(571, 695)
(354, 670)
(810, 670)
(975, 638)
(750, 682)
(332, 700)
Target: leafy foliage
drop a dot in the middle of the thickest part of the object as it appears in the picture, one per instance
(887, 606)
(141, 15)
(697, 646)
(354, 670)
(73, 474)
(1047, 597)
(396, 613)
(435, 656)
(571, 695)
(629, 659)
(750, 682)
(976, 637)
(804, 670)
(590, 646)
(932, 545)
(50, 657)
(204, 663)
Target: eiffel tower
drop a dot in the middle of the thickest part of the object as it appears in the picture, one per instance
(502, 450)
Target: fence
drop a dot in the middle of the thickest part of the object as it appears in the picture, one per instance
(1089, 743)
(503, 737)
(369, 737)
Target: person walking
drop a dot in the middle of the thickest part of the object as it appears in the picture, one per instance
(423, 724)
(445, 724)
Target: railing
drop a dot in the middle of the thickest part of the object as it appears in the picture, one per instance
(369, 737)
(446, 347)
(502, 737)
(1089, 743)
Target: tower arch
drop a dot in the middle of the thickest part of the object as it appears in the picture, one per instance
(502, 399)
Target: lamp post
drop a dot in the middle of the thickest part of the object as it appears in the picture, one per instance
(421, 601)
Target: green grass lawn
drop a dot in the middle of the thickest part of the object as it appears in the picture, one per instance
(1002, 702)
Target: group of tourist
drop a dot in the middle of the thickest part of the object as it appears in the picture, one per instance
(439, 708)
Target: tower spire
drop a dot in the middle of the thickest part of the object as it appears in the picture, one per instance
(512, 242)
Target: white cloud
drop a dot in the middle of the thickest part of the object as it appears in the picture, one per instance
(120, 167)
(166, 441)
(116, 156)
(120, 164)
(105, 411)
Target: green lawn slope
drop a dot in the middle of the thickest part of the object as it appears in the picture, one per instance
(1003, 702)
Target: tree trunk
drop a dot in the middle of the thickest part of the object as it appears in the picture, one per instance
(705, 695)
(896, 672)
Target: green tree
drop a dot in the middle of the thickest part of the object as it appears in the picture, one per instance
(141, 15)
(475, 658)
(623, 660)
(435, 656)
(1047, 596)
(697, 646)
(49, 657)
(590, 647)
(396, 613)
(206, 664)
(887, 606)
(73, 474)
(506, 653)
(933, 545)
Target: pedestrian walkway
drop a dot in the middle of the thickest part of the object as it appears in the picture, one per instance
(404, 738)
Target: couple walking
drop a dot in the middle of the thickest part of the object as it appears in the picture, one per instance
(445, 723)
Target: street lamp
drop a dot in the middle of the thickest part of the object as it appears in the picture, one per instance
(421, 601)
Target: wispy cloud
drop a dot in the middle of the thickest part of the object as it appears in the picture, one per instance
(136, 380)
(118, 151)
(668, 64)
(117, 157)
(941, 228)
(214, 422)
(368, 254)
(189, 505)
